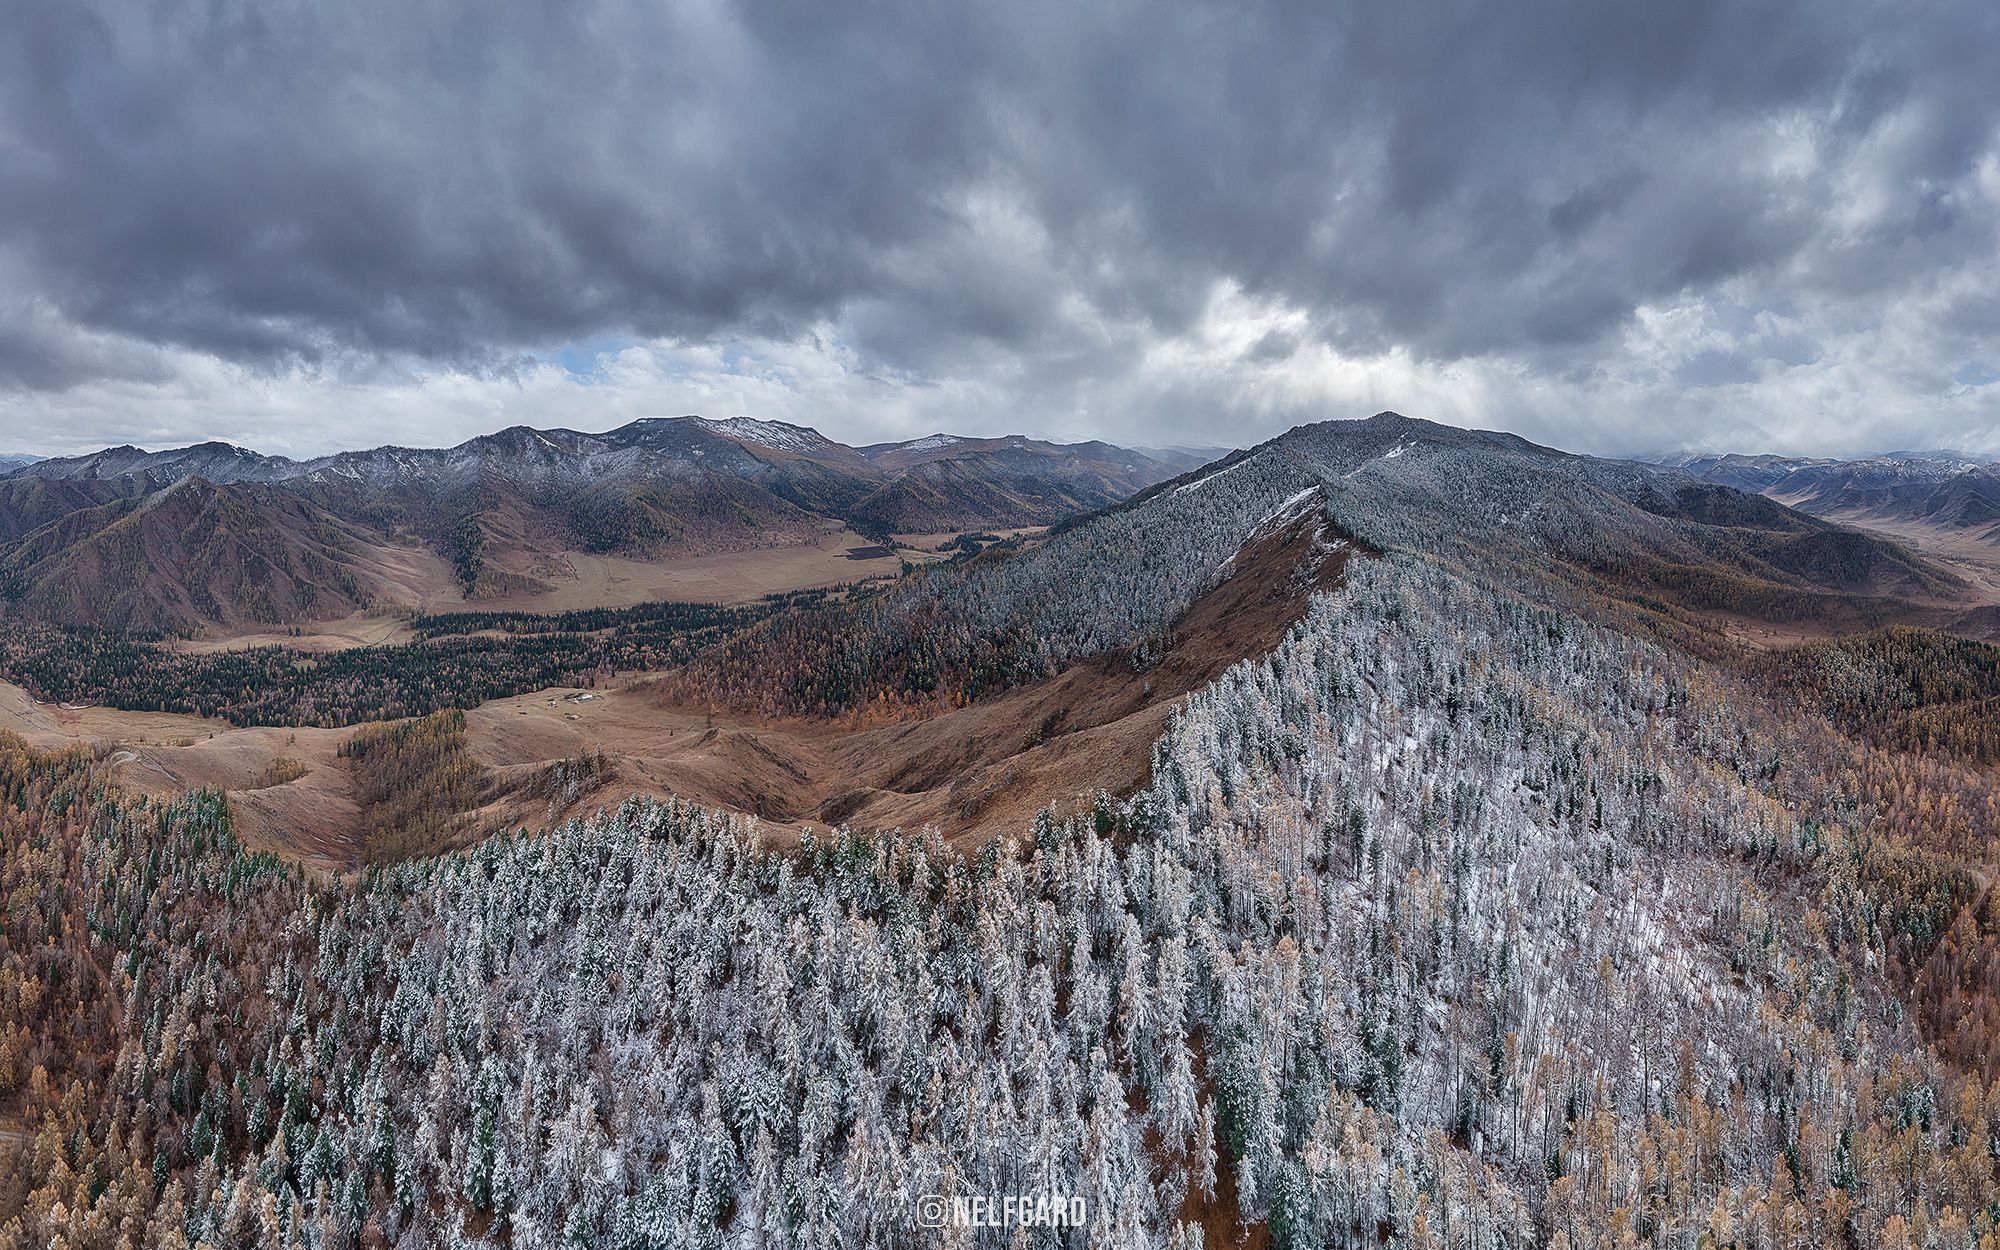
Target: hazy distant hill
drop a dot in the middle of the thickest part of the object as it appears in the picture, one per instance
(1935, 488)
(936, 482)
(1186, 457)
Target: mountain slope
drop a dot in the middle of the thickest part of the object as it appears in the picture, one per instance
(1455, 921)
(217, 462)
(507, 510)
(1510, 508)
(27, 503)
(943, 483)
(188, 555)
(1650, 539)
(1015, 480)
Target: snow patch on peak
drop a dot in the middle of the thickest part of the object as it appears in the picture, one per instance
(1204, 480)
(776, 435)
(932, 442)
(1290, 508)
(1402, 445)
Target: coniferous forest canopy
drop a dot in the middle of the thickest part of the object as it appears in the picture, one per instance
(460, 660)
(1456, 921)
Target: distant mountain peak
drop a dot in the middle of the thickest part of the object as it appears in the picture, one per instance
(775, 435)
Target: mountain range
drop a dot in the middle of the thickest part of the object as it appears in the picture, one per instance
(103, 538)
(1530, 517)
(1934, 488)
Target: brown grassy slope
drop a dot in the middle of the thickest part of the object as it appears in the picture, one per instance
(189, 556)
(974, 772)
(311, 820)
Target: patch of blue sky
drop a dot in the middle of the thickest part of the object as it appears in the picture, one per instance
(584, 361)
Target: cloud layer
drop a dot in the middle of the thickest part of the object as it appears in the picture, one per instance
(1614, 227)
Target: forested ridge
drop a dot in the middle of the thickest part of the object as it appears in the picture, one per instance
(1453, 922)
(414, 783)
(1634, 544)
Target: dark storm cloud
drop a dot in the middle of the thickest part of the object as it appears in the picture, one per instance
(959, 189)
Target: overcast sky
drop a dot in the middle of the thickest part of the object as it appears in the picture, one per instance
(1611, 226)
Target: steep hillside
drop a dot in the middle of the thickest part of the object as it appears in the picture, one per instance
(1503, 505)
(689, 482)
(1916, 689)
(29, 502)
(1478, 904)
(943, 483)
(1945, 507)
(1456, 921)
(188, 555)
(499, 504)
(973, 771)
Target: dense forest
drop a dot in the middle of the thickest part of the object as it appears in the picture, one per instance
(460, 661)
(945, 636)
(1453, 922)
(414, 783)
(1915, 688)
